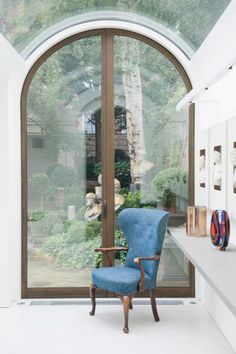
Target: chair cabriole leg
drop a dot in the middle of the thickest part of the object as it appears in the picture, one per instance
(93, 299)
(154, 306)
(126, 306)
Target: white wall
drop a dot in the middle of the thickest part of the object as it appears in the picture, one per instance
(9, 186)
(214, 108)
(217, 107)
(223, 317)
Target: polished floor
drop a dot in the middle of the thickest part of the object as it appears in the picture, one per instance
(59, 328)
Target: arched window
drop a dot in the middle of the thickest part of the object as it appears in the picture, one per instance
(100, 133)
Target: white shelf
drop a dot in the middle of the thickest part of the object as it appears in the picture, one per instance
(218, 268)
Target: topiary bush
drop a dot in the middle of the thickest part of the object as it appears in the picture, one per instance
(63, 176)
(73, 196)
(49, 224)
(39, 183)
(51, 168)
(171, 180)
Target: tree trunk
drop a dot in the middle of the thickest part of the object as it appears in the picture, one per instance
(131, 78)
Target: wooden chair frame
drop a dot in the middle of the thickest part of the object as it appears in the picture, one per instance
(127, 299)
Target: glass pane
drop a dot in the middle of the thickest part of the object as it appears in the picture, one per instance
(63, 146)
(185, 22)
(151, 143)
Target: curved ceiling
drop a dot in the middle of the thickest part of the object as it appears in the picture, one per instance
(185, 22)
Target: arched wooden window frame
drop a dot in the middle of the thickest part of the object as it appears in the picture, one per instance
(83, 292)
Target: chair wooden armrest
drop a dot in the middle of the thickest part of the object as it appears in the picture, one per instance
(138, 261)
(110, 249)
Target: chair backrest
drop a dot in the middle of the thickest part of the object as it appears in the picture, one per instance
(144, 230)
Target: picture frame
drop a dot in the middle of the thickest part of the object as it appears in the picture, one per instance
(218, 166)
(231, 162)
(202, 169)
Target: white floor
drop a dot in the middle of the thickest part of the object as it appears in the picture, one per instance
(68, 329)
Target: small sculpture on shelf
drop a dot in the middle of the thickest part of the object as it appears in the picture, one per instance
(220, 229)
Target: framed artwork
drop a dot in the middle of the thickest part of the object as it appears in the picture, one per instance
(231, 178)
(218, 163)
(202, 169)
(217, 169)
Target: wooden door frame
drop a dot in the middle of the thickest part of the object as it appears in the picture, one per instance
(107, 42)
(108, 138)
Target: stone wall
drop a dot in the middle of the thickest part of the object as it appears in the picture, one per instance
(120, 143)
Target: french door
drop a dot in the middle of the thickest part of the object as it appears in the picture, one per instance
(99, 134)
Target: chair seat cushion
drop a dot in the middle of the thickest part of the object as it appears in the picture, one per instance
(121, 280)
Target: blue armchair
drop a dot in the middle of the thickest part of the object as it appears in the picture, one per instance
(144, 230)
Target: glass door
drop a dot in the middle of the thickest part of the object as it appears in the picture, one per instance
(100, 134)
(62, 214)
(151, 145)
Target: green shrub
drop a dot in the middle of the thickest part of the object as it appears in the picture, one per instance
(97, 169)
(36, 215)
(63, 176)
(54, 244)
(90, 170)
(121, 155)
(74, 248)
(48, 224)
(132, 200)
(122, 173)
(80, 213)
(171, 180)
(39, 183)
(93, 229)
(77, 231)
(57, 229)
(52, 168)
(120, 241)
(73, 196)
(71, 255)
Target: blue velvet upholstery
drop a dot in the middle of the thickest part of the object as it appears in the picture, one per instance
(121, 280)
(144, 230)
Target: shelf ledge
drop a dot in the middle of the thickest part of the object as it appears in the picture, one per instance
(218, 268)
